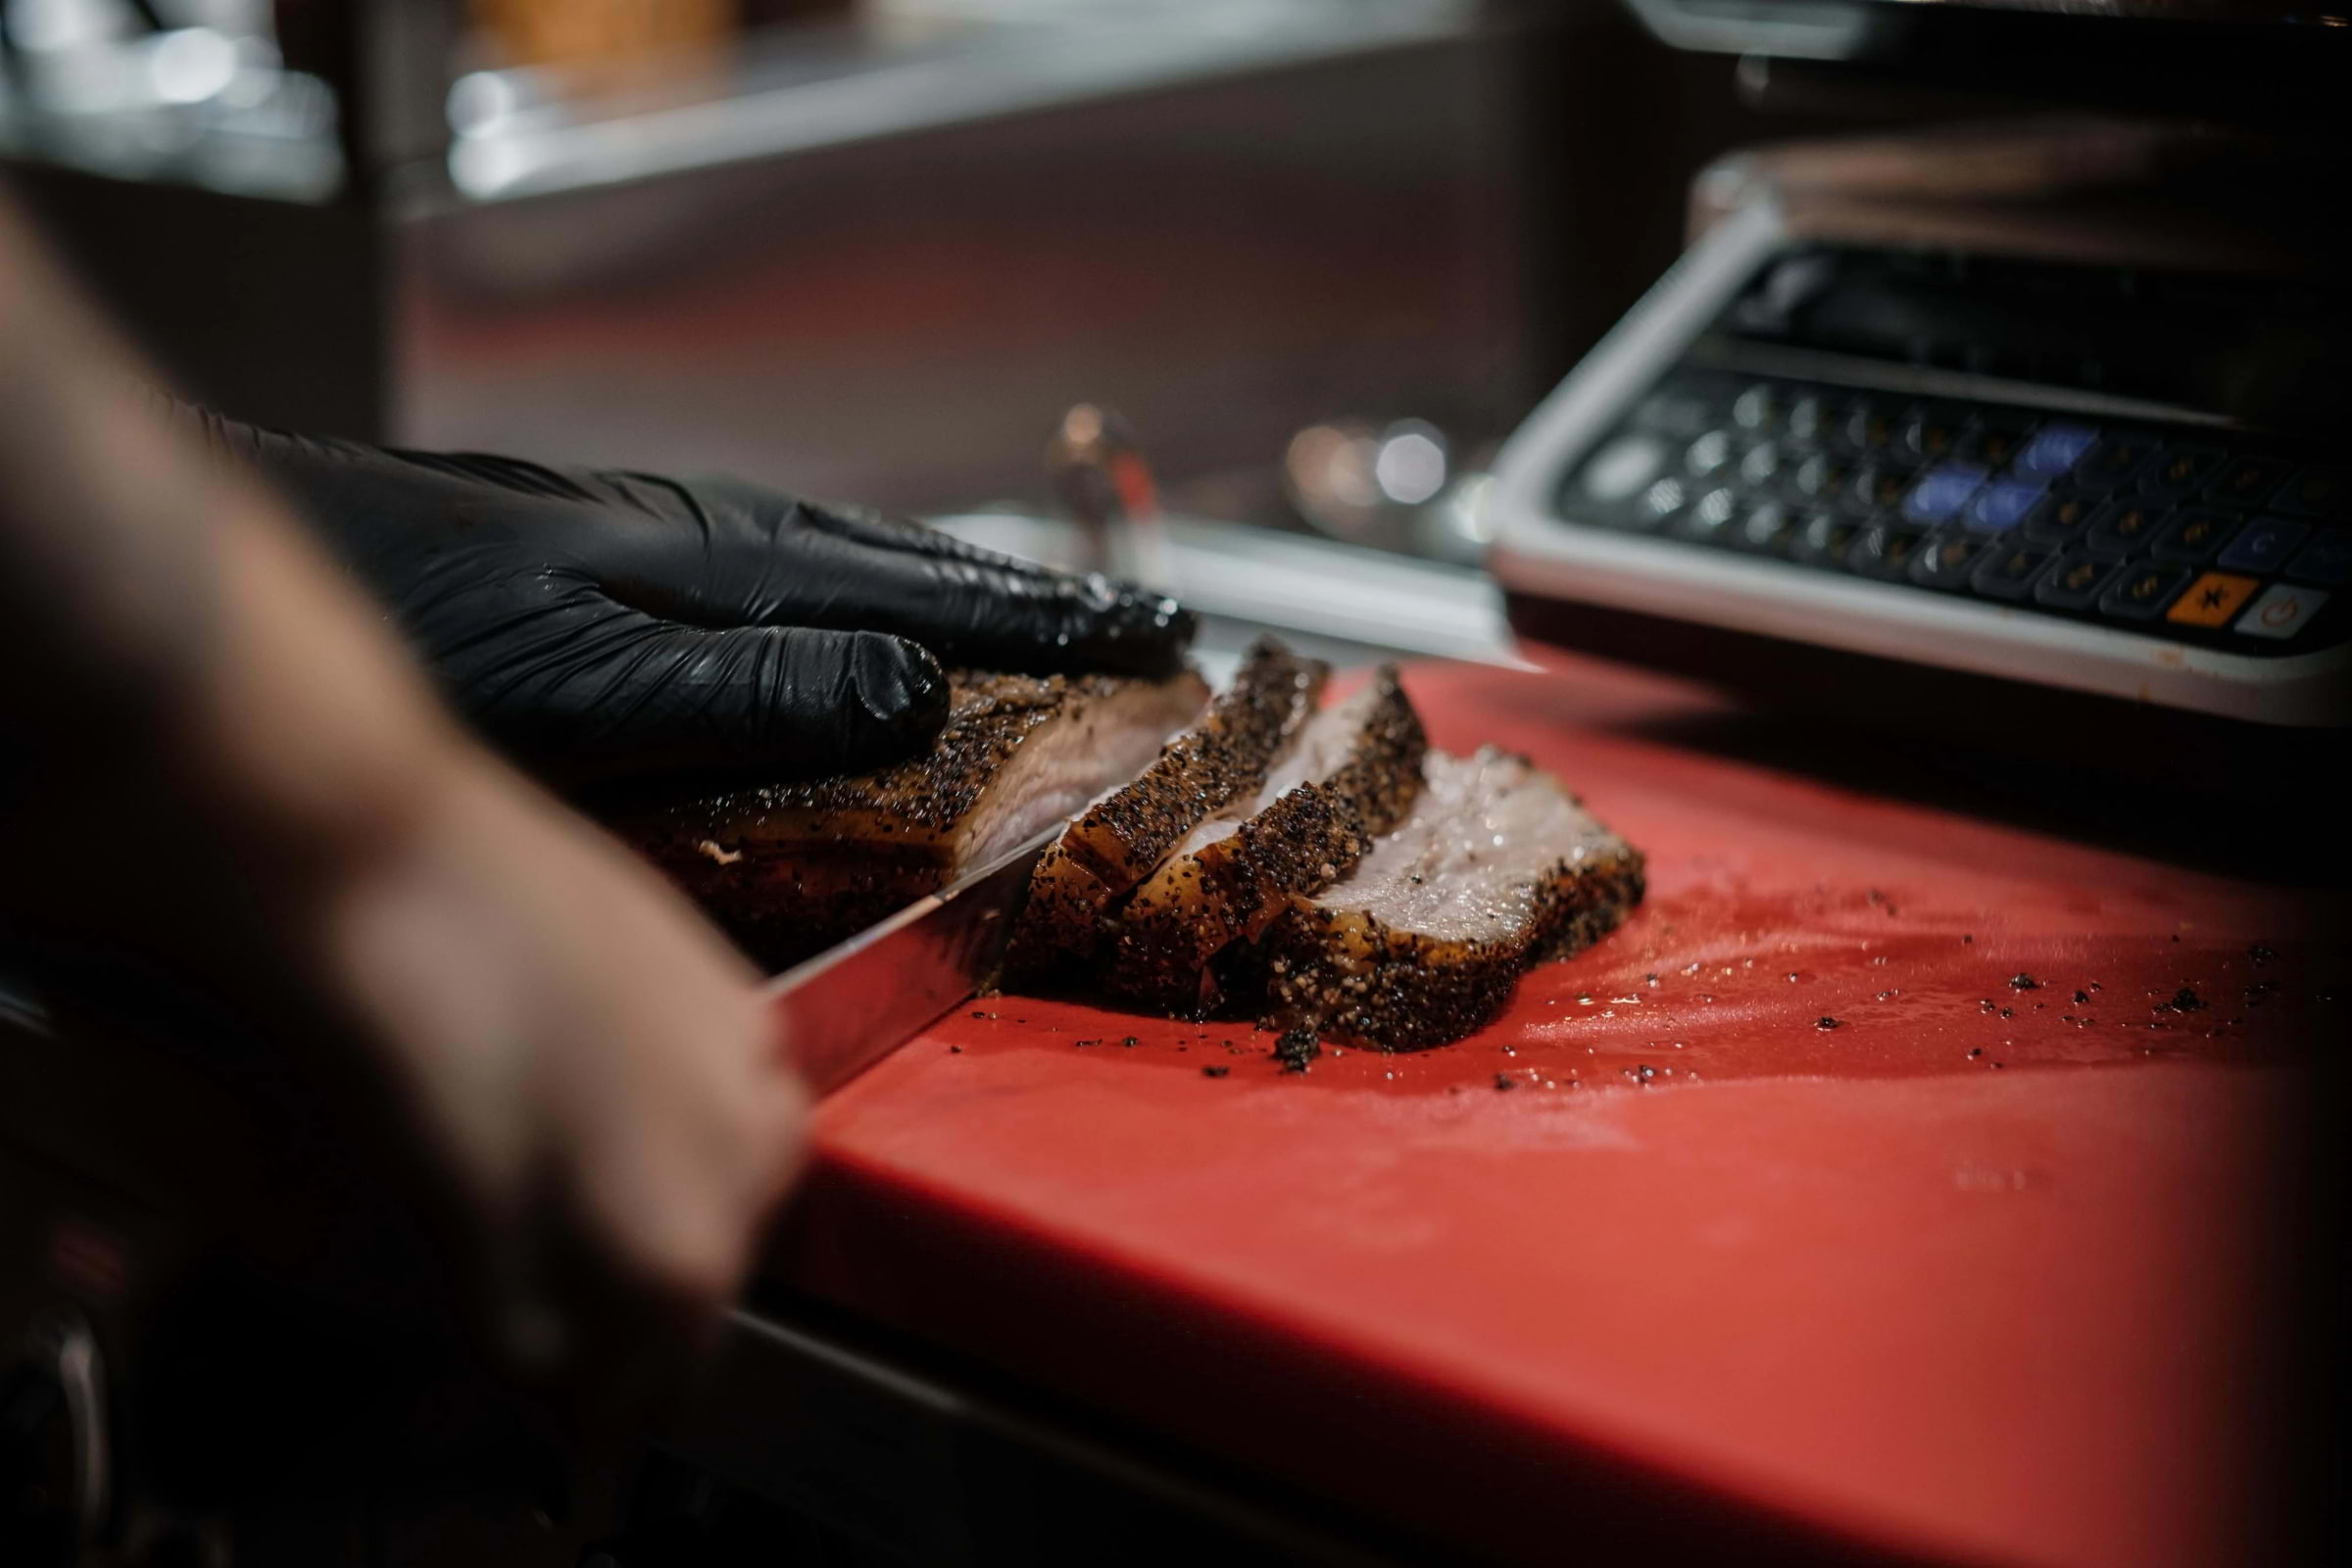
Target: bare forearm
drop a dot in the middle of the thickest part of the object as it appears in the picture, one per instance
(97, 601)
(162, 622)
(229, 768)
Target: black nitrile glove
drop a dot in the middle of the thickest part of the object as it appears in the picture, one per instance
(598, 624)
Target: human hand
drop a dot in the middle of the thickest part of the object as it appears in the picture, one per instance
(604, 624)
(497, 1073)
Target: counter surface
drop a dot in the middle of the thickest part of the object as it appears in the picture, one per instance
(1978, 1273)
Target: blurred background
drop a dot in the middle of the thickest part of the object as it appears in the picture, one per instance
(1274, 277)
(1321, 255)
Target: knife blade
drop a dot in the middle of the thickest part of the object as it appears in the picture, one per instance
(861, 1000)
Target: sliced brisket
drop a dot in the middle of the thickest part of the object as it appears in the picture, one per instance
(1353, 773)
(791, 868)
(1126, 834)
(1495, 867)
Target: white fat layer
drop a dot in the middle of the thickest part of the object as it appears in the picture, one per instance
(1323, 748)
(1469, 862)
(1064, 767)
(1316, 750)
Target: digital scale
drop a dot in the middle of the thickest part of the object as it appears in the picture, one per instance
(2033, 427)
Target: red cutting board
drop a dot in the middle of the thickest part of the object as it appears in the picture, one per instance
(1968, 1276)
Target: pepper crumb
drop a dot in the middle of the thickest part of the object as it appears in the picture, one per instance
(1297, 1049)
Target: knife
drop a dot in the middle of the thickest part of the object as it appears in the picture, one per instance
(857, 1001)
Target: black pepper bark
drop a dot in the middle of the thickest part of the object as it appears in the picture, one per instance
(1195, 906)
(1121, 839)
(1364, 982)
(1298, 1049)
(789, 869)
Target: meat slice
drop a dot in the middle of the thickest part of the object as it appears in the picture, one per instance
(1353, 773)
(1127, 833)
(1495, 867)
(789, 869)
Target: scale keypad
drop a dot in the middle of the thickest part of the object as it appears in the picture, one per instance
(2192, 535)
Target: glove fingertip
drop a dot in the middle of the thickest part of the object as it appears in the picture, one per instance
(1132, 629)
(899, 685)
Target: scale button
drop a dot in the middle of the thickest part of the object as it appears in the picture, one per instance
(1947, 559)
(1941, 491)
(1880, 485)
(2265, 545)
(1710, 514)
(2322, 490)
(1869, 426)
(2003, 504)
(2074, 581)
(2142, 590)
(1708, 453)
(2114, 460)
(1930, 432)
(2055, 448)
(1885, 551)
(1810, 418)
(2281, 612)
(1761, 461)
(2181, 470)
(2327, 559)
(2248, 481)
(1675, 410)
(1768, 526)
(2127, 527)
(1822, 476)
(2060, 519)
(1824, 539)
(1659, 503)
(2195, 536)
(1757, 409)
(2212, 600)
(1621, 469)
(1994, 439)
(2007, 570)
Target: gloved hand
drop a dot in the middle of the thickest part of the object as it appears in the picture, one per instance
(604, 624)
